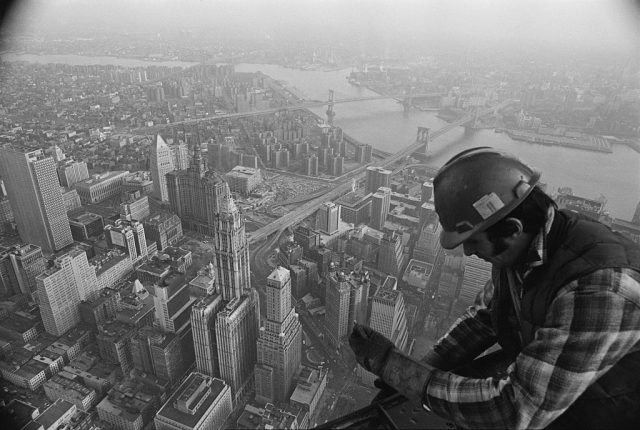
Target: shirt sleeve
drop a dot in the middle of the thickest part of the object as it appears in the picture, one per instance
(470, 335)
(591, 324)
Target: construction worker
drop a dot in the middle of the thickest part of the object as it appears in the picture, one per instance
(563, 304)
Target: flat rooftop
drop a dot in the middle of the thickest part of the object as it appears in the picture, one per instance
(188, 395)
(353, 198)
(103, 177)
(241, 171)
(86, 218)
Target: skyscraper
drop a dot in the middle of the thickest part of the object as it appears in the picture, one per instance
(62, 287)
(327, 218)
(388, 316)
(237, 334)
(377, 177)
(32, 185)
(129, 236)
(195, 195)
(70, 172)
(346, 302)
(158, 353)
(476, 274)
(390, 255)
(173, 303)
(231, 250)
(279, 341)
(203, 325)
(380, 202)
(161, 163)
(180, 153)
(27, 263)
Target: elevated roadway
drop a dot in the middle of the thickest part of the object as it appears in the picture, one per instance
(344, 185)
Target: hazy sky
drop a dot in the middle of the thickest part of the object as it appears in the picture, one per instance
(591, 24)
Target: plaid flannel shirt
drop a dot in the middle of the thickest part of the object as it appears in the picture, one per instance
(592, 323)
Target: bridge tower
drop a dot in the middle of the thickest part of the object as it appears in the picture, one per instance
(473, 125)
(330, 113)
(424, 136)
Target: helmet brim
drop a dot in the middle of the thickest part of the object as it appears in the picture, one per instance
(452, 239)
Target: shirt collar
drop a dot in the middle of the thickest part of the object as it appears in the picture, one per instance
(537, 254)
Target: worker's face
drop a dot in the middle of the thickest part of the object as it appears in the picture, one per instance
(505, 253)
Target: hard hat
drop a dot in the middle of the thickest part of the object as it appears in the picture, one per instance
(477, 188)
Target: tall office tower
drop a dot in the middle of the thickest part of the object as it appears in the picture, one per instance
(346, 302)
(34, 192)
(310, 165)
(476, 274)
(388, 316)
(306, 238)
(161, 163)
(380, 202)
(27, 263)
(390, 255)
(363, 153)
(231, 250)
(427, 247)
(327, 218)
(158, 353)
(195, 195)
(426, 191)
(237, 334)
(377, 177)
(129, 236)
(180, 153)
(199, 403)
(203, 325)
(62, 287)
(173, 303)
(70, 172)
(336, 165)
(279, 342)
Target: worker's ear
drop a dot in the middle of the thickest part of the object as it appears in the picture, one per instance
(515, 227)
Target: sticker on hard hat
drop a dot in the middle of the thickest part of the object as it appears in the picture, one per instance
(488, 204)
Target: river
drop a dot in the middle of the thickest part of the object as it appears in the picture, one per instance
(385, 125)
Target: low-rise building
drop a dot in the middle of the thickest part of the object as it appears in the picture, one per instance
(243, 180)
(310, 387)
(201, 402)
(63, 386)
(56, 415)
(130, 405)
(165, 229)
(101, 187)
(86, 225)
(111, 267)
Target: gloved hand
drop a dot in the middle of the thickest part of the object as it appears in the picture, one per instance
(371, 348)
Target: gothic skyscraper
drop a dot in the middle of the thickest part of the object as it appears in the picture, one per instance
(231, 249)
(195, 195)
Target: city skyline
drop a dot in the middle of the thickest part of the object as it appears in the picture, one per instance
(200, 200)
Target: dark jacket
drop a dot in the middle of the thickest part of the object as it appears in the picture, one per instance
(576, 247)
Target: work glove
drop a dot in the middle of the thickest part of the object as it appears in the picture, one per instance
(370, 347)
